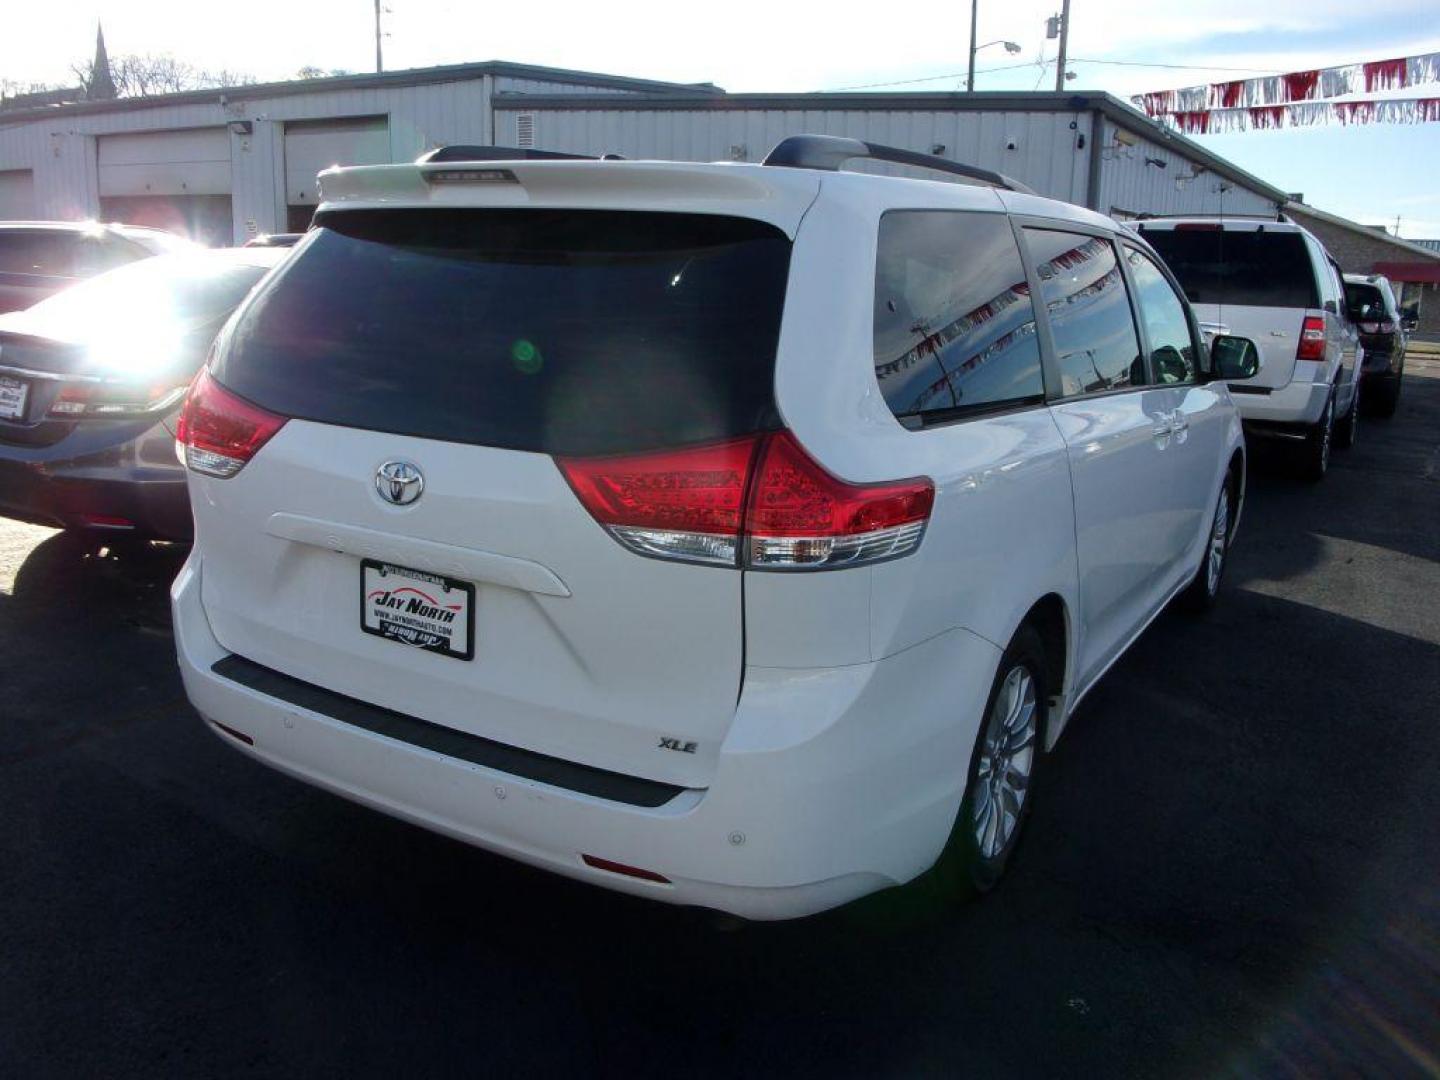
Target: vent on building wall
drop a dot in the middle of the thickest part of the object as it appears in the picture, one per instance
(525, 130)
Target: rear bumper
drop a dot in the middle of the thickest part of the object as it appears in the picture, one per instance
(831, 783)
(123, 482)
(1295, 403)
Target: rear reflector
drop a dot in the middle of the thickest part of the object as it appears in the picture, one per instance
(760, 502)
(1312, 339)
(628, 871)
(221, 432)
(238, 736)
(105, 521)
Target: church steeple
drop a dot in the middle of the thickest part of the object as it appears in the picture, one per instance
(102, 85)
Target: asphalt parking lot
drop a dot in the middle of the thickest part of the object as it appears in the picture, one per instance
(1234, 868)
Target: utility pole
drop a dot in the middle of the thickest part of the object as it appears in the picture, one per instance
(1064, 39)
(379, 60)
(970, 78)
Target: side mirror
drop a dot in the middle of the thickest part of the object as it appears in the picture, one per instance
(1234, 357)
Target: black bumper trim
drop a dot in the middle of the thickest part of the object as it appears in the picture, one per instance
(601, 783)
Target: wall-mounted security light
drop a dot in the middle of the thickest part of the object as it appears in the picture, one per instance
(1159, 163)
(240, 127)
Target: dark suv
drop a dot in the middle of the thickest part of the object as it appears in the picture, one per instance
(1373, 308)
(39, 258)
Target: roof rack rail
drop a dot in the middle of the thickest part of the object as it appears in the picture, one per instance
(460, 152)
(829, 152)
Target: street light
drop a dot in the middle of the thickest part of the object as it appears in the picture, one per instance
(1010, 46)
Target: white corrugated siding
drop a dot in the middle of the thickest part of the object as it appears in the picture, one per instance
(1130, 185)
(61, 150)
(1046, 155)
(17, 195)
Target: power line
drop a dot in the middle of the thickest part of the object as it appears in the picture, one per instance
(1181, 67)
(930, 78)
(1047, 63)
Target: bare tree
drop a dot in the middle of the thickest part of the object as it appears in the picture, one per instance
(310, 71)
(146, 74)
(11, 88)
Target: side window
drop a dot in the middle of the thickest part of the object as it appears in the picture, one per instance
(96, 254)
(1096, 346)
(1172, 350)
(1329, 289)
(37, 252)
(954, 325)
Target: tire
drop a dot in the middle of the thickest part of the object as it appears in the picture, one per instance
(1386, 397)
(1315, 457)
(1204, 588)
(1348, 429)
(980, 847)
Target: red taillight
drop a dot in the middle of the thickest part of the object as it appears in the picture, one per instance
(692, 505)
(1312, 339)
(1199, 226)
(674, 504)
(115, 399)
(1388, 326)
(1372, 327)
(799, 515)
(221, 432)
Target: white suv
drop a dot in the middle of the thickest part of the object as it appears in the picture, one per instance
(732, 535)
(1274, 283)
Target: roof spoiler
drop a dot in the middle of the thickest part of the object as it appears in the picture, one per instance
(829, 152)
(461, 152)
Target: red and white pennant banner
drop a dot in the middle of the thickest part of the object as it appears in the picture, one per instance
(1305, 114)
(1297, 86)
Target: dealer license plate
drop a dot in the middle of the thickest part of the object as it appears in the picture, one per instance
(13, 393)
(424, 611)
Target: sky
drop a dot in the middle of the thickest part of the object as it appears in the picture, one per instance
(1371, 174)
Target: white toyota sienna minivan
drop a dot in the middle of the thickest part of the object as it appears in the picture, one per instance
(732, 535)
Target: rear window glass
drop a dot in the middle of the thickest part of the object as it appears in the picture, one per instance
(188, 288)
(954, 323)
(1255, 269)
(1357, 295)
(560, 331)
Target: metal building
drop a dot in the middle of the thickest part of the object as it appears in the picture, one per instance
(227, 164)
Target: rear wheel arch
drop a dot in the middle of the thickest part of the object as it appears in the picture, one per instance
(1235, 478)
(1050, 618)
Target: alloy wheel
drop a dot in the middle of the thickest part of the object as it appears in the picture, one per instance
(1219, 541)
(1007, 758)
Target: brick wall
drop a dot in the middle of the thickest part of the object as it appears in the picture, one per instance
(1358, 253)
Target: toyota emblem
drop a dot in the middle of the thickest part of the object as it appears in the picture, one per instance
(399, 482)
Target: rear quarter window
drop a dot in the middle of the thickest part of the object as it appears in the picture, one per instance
(1249, 268)
(954, 326)
(559, 331)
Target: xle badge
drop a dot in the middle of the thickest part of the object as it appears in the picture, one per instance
(677, 745)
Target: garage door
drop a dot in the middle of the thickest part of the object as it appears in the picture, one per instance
(313, 145)
(194, 162)
(17, 195)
